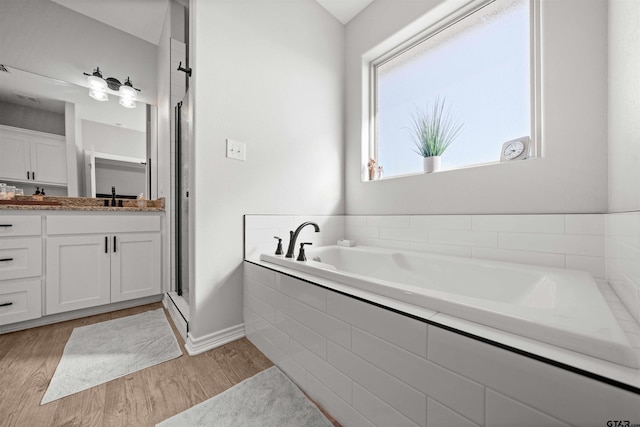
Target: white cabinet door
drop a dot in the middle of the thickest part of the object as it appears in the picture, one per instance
(14, 157)
(135, 266)
(48, 161)
(78, 272)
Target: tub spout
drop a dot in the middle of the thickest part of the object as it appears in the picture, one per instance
(293, 236)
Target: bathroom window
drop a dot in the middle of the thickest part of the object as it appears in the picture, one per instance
(478, 67)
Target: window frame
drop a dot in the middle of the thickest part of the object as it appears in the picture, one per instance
(456, 12)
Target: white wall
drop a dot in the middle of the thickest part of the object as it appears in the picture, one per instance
(75, 166)
(113, 140)
(572, 175)
(623, 223)
(129, 180)
(20, 116)
(624, 105)
(43, 37)
(269, 74)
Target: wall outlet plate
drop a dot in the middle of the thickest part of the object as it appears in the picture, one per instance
(236, 150)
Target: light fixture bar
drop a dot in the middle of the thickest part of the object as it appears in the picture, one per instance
(98, 86)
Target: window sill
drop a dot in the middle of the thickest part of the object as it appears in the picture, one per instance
(453, 169)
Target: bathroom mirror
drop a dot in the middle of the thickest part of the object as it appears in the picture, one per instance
(112, 144)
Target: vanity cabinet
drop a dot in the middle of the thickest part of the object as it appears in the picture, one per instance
(135, 266)
(20, 268)
(78, 273)
(96, 260)
(29, 156)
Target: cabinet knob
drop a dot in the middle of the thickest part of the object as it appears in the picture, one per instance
(5, 304)
(6, 225)
(6, 259)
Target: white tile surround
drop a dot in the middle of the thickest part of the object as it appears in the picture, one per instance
(573, 241)
(259, 232)
(564, 241)
(623, 259)
(348, 355)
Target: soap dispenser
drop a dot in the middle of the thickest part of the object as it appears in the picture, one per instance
(279, 248)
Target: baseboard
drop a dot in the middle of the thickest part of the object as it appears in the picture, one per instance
(76, 314)
(208, 342)
(176, 317)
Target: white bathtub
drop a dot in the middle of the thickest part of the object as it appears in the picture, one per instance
(559, 307)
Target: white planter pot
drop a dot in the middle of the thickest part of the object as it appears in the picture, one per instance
(431, 164)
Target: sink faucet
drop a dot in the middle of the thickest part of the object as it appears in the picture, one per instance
(293, 236)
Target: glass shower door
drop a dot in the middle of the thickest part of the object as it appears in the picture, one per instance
(183, 143)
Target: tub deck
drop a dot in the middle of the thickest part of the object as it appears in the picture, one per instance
(560, 307)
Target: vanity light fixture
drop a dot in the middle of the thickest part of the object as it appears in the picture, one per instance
(128, 94)
(98, 86)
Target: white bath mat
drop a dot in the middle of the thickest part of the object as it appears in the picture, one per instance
(99, 353)
(268, 399)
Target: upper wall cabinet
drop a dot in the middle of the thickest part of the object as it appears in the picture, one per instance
(35, 157)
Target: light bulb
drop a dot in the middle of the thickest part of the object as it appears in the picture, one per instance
(97, 84)
(127, 103)
(98, 95)
(127, 92)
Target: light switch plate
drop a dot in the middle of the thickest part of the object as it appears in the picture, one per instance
(236, 150)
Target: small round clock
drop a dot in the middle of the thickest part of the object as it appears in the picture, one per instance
(516, 149)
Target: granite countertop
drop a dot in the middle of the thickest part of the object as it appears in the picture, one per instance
(87, 204)
(78, 208)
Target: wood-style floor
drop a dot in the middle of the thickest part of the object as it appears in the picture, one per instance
(29, 358)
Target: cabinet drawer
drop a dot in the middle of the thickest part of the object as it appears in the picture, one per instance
(20, 301)
(21, 257)
(24, 225)
(95, 224)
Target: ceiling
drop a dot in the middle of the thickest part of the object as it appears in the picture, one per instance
(145, 18)
(141, 18)
(344, 10)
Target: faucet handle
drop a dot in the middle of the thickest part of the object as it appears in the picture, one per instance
(279, 248)
(301, 255)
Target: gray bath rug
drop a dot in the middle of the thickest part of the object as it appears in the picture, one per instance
(268, 399)
(99, 353)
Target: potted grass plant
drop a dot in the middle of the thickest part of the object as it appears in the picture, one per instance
(434, 129)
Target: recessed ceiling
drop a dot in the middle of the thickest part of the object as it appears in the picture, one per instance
(141, 18)
(344, 10)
